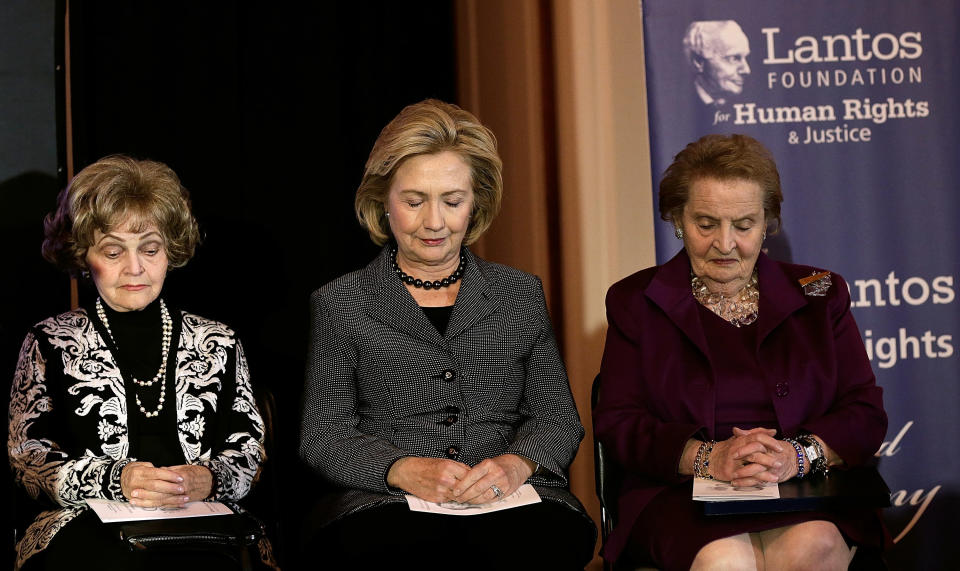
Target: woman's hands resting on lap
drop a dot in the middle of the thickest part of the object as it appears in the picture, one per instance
(751, 457)
(508, 472)
(431, 479)
(440, 480)
(147, 486)
(747, 458)
(197, 481)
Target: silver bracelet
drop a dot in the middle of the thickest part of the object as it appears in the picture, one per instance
(816, 457)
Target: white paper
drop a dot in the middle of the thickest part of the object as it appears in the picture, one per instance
(717, 491)
(524, 495)
(113, 511)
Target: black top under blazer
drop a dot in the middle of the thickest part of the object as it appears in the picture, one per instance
(382, 383)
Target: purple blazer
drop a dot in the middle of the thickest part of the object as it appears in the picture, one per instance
(657, 386)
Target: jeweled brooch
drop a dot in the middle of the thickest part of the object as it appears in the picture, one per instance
(816, 284)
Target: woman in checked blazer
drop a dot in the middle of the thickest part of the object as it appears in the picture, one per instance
(436, 374)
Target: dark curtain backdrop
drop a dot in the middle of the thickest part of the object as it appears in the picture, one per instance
(267, 111)
(31, 144)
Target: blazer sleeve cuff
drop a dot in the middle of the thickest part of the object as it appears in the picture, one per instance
(113, 488)
(855, 448)
(387, 487)
(550, 473)
(668, 445)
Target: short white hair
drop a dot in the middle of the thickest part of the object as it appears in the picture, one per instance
(699, 34)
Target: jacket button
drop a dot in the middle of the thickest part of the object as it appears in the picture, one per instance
(448, 375)
(782, 389)
(449, 420)
(453, 451)
(451, 409)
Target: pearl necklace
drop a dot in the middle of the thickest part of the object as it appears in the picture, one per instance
(164, 352)
(427, 284)
(742, 308)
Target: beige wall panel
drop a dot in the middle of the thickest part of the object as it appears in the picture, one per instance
(600, 174)
(604, 177)
(501, 68)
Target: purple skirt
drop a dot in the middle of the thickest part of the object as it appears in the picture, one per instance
(672, 528)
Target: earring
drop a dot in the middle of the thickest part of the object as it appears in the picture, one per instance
(388, 215)
(84, 274)
(764, 237)
(678, 232)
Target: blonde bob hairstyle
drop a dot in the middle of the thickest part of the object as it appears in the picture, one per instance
(120, 193)
(724, 158)
(426, 128)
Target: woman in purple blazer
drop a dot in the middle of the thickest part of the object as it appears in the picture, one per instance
(725, 364)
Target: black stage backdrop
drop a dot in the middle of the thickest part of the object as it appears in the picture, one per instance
(267, 111)
(31, 171)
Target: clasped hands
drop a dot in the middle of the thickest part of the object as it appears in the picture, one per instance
(752, 457)
(147, 486)
(441, 480)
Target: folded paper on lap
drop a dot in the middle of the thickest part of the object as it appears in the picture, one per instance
(111, 511)
(717, 491)
(524, 495)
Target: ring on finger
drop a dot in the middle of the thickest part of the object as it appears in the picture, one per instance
(497, 491)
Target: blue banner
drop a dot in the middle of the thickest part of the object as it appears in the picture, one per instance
(858, 103)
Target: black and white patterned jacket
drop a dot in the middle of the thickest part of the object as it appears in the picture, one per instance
(382, 383)
(68, 419)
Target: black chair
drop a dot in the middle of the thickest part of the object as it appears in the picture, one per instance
(17, 519)
(608, 478)
(264, 499)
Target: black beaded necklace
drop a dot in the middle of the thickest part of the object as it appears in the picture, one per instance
(436, 284)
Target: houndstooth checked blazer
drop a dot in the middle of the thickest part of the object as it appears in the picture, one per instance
(382, 383)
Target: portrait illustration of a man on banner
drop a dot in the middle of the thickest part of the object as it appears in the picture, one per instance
(717, 52)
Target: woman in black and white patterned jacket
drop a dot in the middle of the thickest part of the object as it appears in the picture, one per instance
(436, 374)
(128, 399)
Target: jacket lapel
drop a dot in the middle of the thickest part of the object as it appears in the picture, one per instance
(391, 304)
(475, 300)
(670, 290)
(780, 296)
